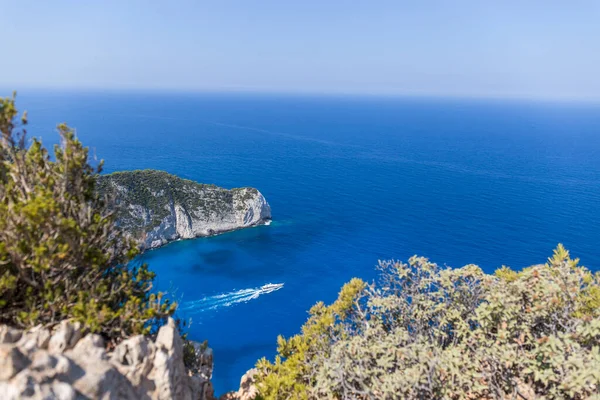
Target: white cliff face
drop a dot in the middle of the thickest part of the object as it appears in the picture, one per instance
(156, 208)
(186, 221)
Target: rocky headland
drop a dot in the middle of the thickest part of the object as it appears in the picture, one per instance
(155, 207)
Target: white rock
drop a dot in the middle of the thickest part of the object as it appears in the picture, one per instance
(100, 380)
(61, 337)
(132, 351)
(169, 372)
(38, 335)
(137, 368)
(24, 389)
(91, 347)
(12, 361)
(134, 358)
(248, 208)
(248, 389)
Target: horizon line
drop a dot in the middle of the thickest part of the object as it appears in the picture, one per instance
(305, 93)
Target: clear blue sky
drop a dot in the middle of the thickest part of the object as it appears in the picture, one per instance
(497, 48)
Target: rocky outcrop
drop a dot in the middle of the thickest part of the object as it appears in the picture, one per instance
(156, 207)
(247, 390)
(65, 364)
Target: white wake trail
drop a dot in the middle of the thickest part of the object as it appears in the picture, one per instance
(228, 299)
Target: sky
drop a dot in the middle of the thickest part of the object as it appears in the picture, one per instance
(490, 48)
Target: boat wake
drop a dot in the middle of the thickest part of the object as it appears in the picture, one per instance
(228, 299)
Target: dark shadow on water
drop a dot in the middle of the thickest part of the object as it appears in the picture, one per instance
(217, 257)
(241, 255)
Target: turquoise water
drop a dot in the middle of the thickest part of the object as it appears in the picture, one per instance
(350, 181)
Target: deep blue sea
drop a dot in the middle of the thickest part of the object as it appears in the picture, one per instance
(350, 181)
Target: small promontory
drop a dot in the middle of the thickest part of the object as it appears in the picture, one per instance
(156, 207)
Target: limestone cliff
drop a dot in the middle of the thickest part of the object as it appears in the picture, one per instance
(156, 207)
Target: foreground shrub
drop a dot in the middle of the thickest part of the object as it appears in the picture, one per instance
(426, 332)
(61, 255)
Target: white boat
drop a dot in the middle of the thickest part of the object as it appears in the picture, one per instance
(269, 287)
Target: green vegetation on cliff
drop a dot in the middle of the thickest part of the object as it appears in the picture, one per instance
(61, 255)
(155, 192)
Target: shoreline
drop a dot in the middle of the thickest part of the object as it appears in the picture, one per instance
(264, 222)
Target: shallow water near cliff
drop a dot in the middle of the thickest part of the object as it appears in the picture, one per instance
(350, 181)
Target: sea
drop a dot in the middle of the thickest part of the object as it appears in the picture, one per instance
(351, 180)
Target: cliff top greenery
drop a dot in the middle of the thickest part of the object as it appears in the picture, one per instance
(149, 177)
(61, 255)
(156, 191)
(426, 332)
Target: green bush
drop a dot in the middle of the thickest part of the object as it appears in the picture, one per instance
(61, 255)
(425, 332)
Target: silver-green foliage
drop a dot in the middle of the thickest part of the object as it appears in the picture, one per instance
(426, 332)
